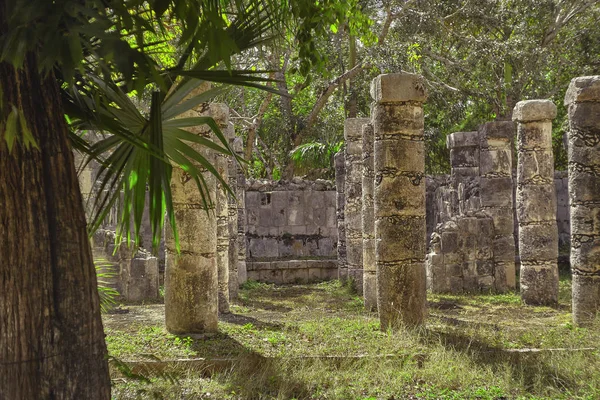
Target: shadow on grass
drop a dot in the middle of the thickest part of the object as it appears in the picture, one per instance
(532, 369)
(239, 319)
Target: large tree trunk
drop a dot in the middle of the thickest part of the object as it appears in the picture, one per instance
(51, 338)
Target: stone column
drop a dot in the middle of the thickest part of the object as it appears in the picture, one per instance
(353, 195)
(497, 197)
(368, 221)
(464, 155)
(240, 193)
(464, 160)
(399, 199)
(232, 208)
(536, 202)
(583, 101)
(191, 277)
(340, 203)
(221, 164)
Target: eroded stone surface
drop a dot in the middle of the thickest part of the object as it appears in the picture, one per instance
(368, 221)
(536, 202)
(583, 101)
(353, 199)
(399, 199)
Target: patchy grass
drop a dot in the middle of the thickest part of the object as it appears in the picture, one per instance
(317, 342)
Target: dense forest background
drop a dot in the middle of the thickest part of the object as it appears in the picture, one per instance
(479, 58)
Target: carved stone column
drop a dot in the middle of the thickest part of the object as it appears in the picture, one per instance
(232, 215)
(353, 195)
(496, 181)
(340, 203)
(583, 101)
(399, 199)
(536, 202)
(240, 192)
(221, 164)
(191, 277)
(368, 221)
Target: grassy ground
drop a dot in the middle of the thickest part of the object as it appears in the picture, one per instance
(317, 342)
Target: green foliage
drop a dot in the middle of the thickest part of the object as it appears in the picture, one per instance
(315, 155)
(104, 273)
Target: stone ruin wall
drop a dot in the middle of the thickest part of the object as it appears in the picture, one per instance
(291, 234)
(471, 223)
(438, 205)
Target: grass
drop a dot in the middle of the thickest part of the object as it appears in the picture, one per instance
(317, 342)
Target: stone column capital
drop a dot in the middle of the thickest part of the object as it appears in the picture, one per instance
(398, 87)
(534, 110)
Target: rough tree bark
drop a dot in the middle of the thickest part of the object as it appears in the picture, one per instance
(51, 337)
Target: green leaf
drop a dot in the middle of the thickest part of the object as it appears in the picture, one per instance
(28, 139)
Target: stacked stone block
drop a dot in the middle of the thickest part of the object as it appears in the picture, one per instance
(368, 221)
(399, 199)
(496, 182)
(340, 203)
(460, 257)
(353, 196)
(583, 101)
(536, 202)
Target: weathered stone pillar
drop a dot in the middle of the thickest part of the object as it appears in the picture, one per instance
(232, 208)
(353, 195)
(222, 214)
(340, 203)
(240, 193)
(464, 155)
(583, 101)
(368, 221)
(191, 277)
(464, 160)
(536, 202)
(399, 199)
(497, 197)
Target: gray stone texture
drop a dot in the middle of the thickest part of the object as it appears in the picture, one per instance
(399, 199)
(291, 225)
(368, 221)
(536, 202)
(353, 199)
(292, 271)
(583, 102)
(340, 203)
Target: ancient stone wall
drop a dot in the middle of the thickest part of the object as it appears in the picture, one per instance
(291, 231)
